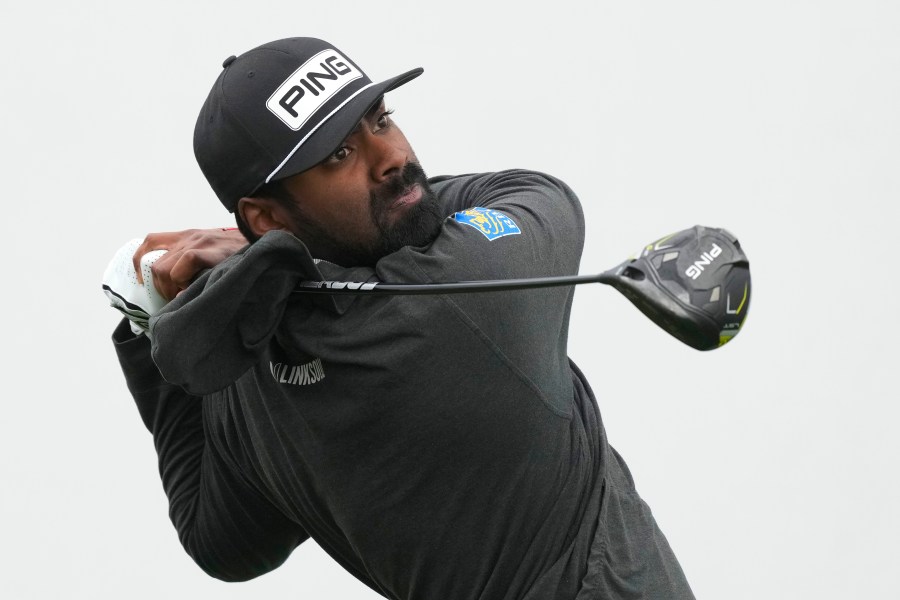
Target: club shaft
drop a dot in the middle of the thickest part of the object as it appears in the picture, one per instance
(460, 287)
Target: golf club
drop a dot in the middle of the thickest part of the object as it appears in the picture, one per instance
(695, 284)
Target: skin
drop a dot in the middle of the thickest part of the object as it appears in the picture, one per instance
(189, 252)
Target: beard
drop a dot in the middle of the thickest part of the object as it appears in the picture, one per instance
(418, 226)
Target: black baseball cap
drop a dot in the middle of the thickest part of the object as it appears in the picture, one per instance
(278, 110)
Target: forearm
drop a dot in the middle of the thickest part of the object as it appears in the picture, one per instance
(227, 527)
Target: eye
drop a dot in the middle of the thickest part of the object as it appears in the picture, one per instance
(384, 120)
(340, 154)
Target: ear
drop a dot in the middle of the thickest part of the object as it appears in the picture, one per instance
(263, 214)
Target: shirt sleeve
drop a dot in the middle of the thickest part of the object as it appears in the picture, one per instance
(506, 225)
(509, 224)
(230, 530)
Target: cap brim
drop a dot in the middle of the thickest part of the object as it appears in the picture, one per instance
(324, 140)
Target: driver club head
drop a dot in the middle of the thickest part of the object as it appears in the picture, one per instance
(695, 284)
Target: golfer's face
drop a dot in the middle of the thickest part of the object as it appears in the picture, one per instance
(359, 192)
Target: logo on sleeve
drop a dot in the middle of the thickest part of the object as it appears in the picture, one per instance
(311, 86)
(305, 374)
(491, 223)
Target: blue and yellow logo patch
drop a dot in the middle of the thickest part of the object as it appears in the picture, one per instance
(492, 223)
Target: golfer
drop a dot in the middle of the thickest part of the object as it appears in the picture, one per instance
(437, 446)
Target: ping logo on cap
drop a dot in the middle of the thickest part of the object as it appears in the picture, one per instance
(311, 86)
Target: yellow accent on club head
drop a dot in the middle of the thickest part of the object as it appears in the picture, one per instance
(743, 300)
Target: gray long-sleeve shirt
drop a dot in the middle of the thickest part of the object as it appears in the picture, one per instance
(435, 446)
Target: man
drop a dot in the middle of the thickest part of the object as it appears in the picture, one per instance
(435, 446)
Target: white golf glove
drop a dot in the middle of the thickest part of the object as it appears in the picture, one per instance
(137, 301)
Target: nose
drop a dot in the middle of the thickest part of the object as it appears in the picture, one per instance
(387, 155)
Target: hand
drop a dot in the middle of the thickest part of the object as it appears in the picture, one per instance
(136, 301)
(188, 253)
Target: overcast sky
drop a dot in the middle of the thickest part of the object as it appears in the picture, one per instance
(771, 464)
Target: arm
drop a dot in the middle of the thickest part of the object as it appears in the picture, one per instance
(532, 227)
(230, 530)
(145, 274)
(539, 230)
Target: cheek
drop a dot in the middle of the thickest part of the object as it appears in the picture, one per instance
(349, 213)
(403, 144)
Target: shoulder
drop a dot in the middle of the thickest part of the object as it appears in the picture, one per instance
(508, 178)
(512, 189)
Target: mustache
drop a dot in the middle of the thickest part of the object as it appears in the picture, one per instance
(397, 185)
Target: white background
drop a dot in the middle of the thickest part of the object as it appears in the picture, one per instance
(771, 464)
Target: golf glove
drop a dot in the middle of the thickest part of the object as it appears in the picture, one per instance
(135, 300)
